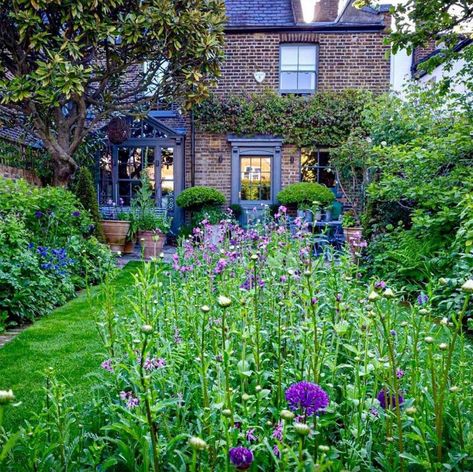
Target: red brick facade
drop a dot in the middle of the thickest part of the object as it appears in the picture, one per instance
(345, 60)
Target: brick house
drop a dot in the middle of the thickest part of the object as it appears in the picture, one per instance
(268, 44)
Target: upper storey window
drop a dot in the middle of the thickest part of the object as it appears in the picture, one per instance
(298, 68)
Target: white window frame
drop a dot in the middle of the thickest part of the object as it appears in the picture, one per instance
(297, 70)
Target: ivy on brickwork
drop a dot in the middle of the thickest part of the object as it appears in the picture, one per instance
(324, 119)
(24, 157)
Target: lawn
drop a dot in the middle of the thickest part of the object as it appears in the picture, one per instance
(67, 341)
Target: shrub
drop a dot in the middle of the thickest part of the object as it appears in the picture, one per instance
(46, 249)
(212, 215)
(195, 198)
(303, 194)
(85, 191)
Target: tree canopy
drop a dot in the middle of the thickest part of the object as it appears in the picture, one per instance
(67, 65)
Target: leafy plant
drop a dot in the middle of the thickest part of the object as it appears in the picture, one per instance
(196, 198)
(324, 119)
(212, 215)
(85, 190)
(305, 195)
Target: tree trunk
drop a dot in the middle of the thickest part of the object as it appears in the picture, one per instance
(64, 168)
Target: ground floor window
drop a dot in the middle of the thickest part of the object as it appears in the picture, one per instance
(315, 167)
(255, 181)
(256, 170)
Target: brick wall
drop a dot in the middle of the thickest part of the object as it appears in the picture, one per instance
(210, 148)
(13, 173)
(346, 60)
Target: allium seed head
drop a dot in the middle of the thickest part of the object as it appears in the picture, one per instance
(223, 301)
(197, 443)
(468, 286)
(301, 429)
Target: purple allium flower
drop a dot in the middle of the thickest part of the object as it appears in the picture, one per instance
(422, 299)
(38, 214)
(276, 451)
(399, 373)
(388, 400)
(107, 365)
(380, 285)
(307, 396)
(130, 400)
(241, 457)
(277, 433)
(76, 213)
(250, 436)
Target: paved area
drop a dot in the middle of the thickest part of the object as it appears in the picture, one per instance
(123, 260)
(9, 334)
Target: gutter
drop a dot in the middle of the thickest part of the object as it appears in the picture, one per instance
(331, 27)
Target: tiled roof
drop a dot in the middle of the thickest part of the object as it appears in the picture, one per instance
(259, 12)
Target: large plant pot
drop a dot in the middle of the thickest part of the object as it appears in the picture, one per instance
(152, 243)
(115, 233)
(129, 247)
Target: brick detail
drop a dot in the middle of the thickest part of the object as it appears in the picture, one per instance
(13, 173)
(350, 60)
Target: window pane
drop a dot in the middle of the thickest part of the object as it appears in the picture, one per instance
(306, 81)
(255, 178)
(289, 57)
(326, 177)
(288, 80)
(307, 56)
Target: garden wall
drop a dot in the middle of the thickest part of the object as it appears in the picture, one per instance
(14, 173)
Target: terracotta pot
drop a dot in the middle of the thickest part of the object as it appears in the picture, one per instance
(152, 243)
(115, 233)
(129, 247)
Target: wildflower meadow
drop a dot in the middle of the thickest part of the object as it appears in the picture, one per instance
(251, 353)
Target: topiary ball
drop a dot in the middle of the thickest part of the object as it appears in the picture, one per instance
(303, 194)
(195, 198)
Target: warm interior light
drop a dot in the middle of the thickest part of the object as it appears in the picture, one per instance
(308, 10)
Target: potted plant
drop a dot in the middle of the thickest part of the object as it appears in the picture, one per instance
(204, 204)
(149, 227)
(307, 198)
(115, 227)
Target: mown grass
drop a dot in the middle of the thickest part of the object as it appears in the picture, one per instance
(66, 340)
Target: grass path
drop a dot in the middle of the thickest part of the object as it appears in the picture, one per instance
(67, 341)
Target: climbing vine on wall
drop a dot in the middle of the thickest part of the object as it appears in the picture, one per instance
(324, 119)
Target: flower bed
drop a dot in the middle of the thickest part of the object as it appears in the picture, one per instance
(250, 354)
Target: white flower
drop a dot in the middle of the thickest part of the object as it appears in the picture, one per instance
(373, 296)
(223, 301)
(468, 286)
(388, 293)
(6, 396)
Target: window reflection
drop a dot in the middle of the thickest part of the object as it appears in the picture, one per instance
(315, 167)
(255, 178)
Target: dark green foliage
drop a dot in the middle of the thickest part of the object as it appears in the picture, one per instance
(210, 214)
(237, 210)
(419, 211)
(46, 249)
(195, 198)
(304, 194)
(324, 119)
(85, 190)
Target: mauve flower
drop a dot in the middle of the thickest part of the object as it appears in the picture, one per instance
(308, 397)
(283, 279)
(76, 213)
(399, 373)
(38, 214)
(276, 451)
(277, 433)
(154, 363)
(388, 400)
(422, 299)
(250, 436)
(380, 285)
(374, 412)
(314, 300)
(241, 457)
(107, 365)
(130, 400)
